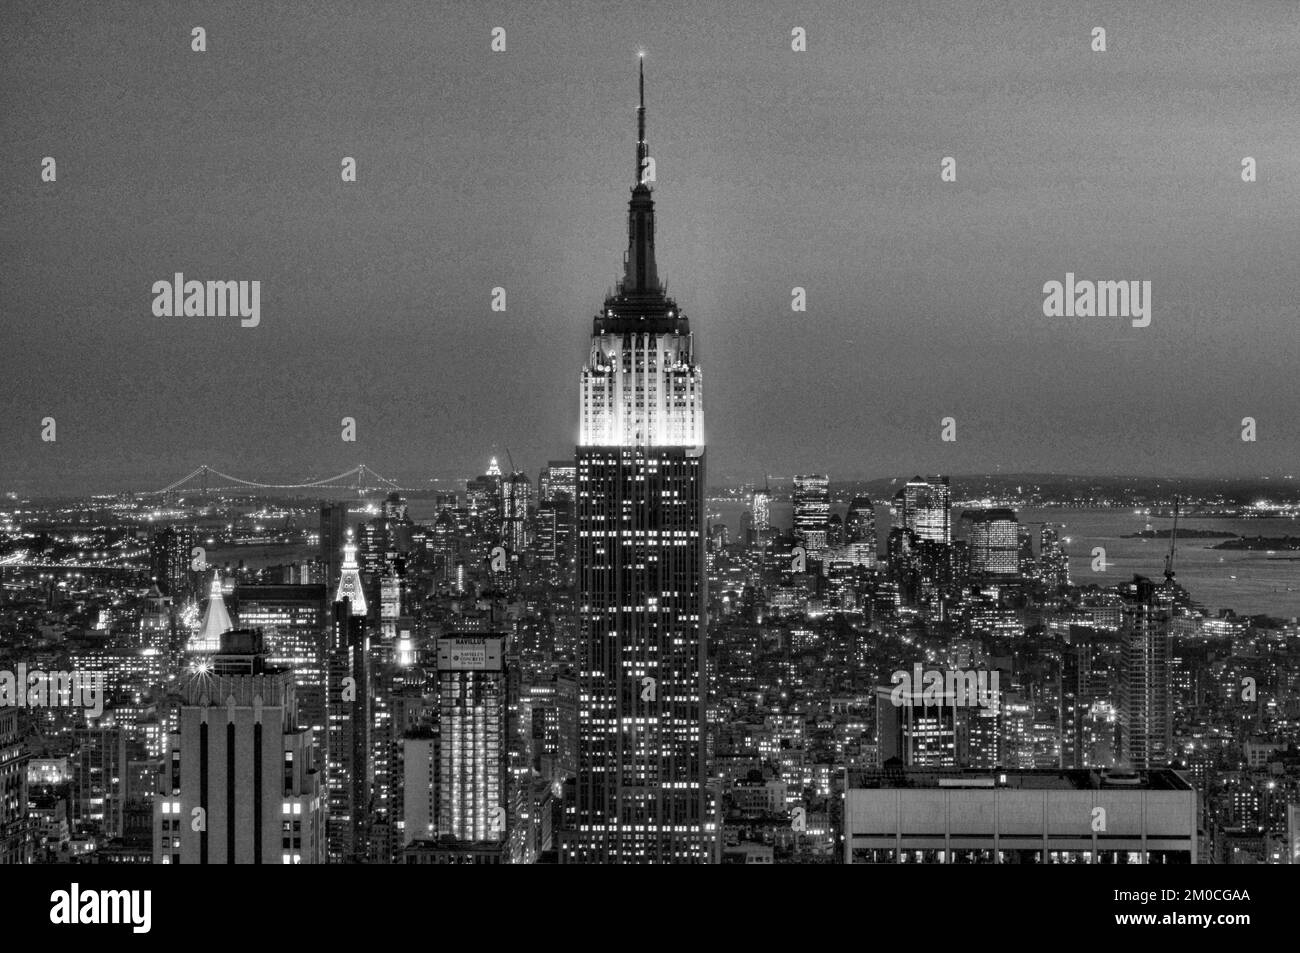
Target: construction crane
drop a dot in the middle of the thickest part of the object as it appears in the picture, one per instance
(1173, 541)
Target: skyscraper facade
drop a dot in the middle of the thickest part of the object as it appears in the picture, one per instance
(347, 738)
(761, 505)
(639, 792)
(860, 521)
(556, 479)
(471, 776)
(333, 533)
(292, 619)
(15, 838)
(1054, 564)
(1146, 714)
(242, 766)
(860, 540)
(812, 508)
(923, 507)
(172, 562)
(993, 541)
(516, 493)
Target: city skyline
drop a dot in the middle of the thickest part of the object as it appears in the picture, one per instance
(375, 293)
(995, 290)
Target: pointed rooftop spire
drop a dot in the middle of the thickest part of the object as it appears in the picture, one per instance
(640, 276)
(350, 585)
(642, 149)
(216, 619)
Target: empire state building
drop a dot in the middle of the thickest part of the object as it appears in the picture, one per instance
(640, 794)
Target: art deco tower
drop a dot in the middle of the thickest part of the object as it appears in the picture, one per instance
(640, 514)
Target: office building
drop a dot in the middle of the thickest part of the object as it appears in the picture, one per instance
(992, 543)
(472, 723)
(812, 507)
(640, 795)
(1146, 715)
(956, 816)
(239, 784)
(923, 507)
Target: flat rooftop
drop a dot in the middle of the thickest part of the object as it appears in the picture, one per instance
(1157, 779)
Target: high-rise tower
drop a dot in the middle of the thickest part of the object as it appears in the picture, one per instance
(993, 542)
(243, 764)
(639, 796)
(812, 508)
(1146, 726)
(471, 788)
(924, 507)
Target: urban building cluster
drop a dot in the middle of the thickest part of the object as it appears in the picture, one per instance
(587, 664)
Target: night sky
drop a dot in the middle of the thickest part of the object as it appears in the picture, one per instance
(775, 169)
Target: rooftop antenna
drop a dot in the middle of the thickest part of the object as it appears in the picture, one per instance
(642, 150)
(1173, 542)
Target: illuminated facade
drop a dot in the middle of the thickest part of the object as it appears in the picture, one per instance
(1053, 561)
(993, 541)
(761, 505)
(556, 479)
(516, 492)
(812, 508)
(472, 725)
(15, 833)
(1146, 713)
(919, 732)
(292, 620)
(347, 736)
(390, 606)
(639, 795)
(386, 539)
(923, 507)
(860, 526)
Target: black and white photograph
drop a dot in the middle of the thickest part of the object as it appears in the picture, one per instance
(444, 432)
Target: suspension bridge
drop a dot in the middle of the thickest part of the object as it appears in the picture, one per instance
(205, 479)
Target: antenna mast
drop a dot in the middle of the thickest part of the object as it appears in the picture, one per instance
(1173, 542)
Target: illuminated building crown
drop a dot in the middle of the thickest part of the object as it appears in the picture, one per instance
(216, 620)
(641, 385)
(350, 586)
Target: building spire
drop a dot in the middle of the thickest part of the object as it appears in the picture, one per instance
(640, 275)
(350, 585)
(215, 621)
(642, 150)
